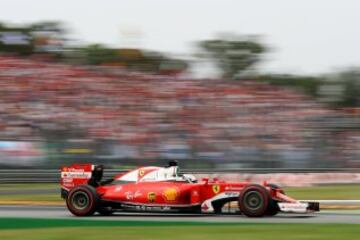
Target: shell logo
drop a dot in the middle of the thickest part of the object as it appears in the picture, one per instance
(171, 194)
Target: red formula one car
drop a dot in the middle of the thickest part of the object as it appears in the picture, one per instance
(163, 189)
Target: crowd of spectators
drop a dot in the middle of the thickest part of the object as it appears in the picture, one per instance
(143, 116)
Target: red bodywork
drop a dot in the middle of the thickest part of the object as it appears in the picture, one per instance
(166, 193)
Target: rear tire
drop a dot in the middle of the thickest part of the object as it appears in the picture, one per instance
(82, 200)
(254, 201)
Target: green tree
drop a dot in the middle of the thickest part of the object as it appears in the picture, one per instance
(351, 79)
(234, 56)
(97, 54)
(307, 84)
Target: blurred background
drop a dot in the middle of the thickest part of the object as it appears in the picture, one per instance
(256, 91)
(224, 88)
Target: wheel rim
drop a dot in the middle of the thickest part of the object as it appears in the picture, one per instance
(253, 200)
(80, 200)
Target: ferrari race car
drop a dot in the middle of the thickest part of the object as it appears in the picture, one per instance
(163, 189)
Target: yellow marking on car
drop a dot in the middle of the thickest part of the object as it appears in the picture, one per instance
(216, 188)
(152, 197)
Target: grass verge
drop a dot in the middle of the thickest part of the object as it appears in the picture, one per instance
(91, 229)
(326, 192)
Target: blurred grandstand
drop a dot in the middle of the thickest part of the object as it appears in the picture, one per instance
(51, 113)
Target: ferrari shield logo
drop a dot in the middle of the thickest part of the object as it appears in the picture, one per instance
(141, 173)
(216, 188)
(151, 197)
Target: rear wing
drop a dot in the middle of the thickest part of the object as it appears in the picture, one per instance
(79, 174)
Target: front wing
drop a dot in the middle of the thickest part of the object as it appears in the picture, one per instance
(299, 207)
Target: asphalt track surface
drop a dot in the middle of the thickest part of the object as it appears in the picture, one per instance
(344, 217)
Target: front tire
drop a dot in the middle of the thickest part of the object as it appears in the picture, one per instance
(254, 201)
(82, 200)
